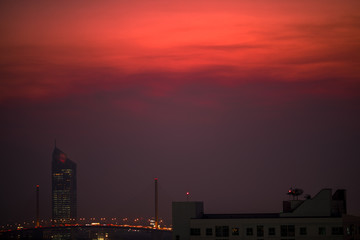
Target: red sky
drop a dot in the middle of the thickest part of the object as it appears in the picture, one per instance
(239, 41)
(229, 77)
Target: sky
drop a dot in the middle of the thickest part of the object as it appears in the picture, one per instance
(233, 101)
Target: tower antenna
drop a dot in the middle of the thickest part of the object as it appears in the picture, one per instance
(156, 205)
(37, 207)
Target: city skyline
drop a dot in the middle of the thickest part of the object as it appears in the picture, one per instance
(233, 101)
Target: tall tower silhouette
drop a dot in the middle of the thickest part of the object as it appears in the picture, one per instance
(64, 205)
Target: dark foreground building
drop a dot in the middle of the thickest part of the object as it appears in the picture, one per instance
(322, 217)
(63, 188)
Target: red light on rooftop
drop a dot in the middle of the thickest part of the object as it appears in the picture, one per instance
(156, 178)
(187, 193)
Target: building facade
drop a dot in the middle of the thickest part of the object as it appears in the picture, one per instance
(321, 217)
(64, 204)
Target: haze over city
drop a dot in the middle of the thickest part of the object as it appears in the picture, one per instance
(232, 101)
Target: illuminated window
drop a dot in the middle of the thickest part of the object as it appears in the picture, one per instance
(235, 231)
(350, 230)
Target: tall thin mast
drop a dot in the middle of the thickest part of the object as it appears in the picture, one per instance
(37, 207)
(156, 205)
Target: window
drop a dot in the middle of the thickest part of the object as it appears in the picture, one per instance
(291, 230)
(209, 232)
(235, 231)
(260, 230)
(337, 231)
(195, 231)
(177, 237)
(350, 230)
(249, 231)
(287, 230)
(322, 231)
(271, 231)
(303, 231)
(222, 231)
(283, 229)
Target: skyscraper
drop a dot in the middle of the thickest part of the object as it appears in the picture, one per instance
(63, 188)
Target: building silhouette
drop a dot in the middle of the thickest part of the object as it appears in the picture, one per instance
(322, 217)
(64, 205)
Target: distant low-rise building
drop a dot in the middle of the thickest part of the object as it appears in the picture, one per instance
(321, 217)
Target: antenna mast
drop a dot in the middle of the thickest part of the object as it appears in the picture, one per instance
(37, 207)
(156, 205)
